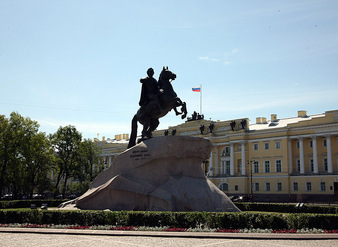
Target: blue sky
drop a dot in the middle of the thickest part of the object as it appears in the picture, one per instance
(79, 62)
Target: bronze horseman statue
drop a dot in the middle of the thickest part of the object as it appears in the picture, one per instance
(157, 99)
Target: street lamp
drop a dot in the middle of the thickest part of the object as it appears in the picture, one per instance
(251, 184)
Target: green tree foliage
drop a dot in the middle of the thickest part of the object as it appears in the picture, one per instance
(66, 143)
(25, 155)
(28, 157)
(89, 163)
(4, 151)
(40, 157)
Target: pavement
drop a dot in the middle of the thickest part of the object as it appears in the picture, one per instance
(72, 237)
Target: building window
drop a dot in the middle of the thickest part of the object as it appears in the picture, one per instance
(256, 186)
(298, 165)
(266, 146)
(295, 186)
(279, 186)
(267, 186)
(255, 146)
(308, 186)
(236, 187)
(324, 143)
(225, 152)
(311, 144)
(297, 145)
(239, 166)
(267, 166)
(256, 167)
(225, 187)
(277, 145)
(278, 166)
(325, 165)
(322, 186)
(225, 167)
(311, 165)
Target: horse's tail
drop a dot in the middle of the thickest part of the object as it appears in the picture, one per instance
(133, 135)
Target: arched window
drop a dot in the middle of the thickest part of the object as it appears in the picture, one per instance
(224, 187)
(225, 152)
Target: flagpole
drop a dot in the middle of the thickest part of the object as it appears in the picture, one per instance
(201, 99)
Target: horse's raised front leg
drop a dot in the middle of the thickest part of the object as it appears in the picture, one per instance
(177, 104)
(184, 110)
(176, 111)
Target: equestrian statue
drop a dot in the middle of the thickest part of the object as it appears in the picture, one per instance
(157, 99)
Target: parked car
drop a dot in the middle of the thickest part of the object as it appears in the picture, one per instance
(71, 196)
(8, 197)
(60, 196)
(38, 196)
(242, 199)
(233, 198)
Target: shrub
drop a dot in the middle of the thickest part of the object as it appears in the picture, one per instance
(27, 203)
(213, 220)
(287, 208)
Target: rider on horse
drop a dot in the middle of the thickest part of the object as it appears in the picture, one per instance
(150, 91)
(157, 99)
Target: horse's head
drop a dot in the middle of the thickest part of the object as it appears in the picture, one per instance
(166, 74)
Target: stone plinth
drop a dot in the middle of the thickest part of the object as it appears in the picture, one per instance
(160, 174)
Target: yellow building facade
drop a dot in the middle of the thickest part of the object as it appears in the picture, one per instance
(292, 159)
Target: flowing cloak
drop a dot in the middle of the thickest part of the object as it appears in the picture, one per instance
(149, 87)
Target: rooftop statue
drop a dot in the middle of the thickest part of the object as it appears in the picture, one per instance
(157, 99)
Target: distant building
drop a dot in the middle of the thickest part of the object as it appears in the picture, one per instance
(112, 147)
(291, 159)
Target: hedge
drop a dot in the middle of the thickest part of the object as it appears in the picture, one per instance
(27, 203)
(172, 219)
(265, 207)
(287, 208)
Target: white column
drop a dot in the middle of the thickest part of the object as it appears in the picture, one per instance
(216, 161)
(315, 154)
(290, 155)
(105, 160)
(109, 160)
(243, 157)
(232, 160)
(211, 165)
(329, 154)
(301, 155)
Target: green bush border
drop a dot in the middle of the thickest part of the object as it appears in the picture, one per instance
(287, 208)
(244, 206)
(172, 219)
(27, 203)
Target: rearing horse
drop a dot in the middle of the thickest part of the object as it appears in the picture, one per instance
(149, 114)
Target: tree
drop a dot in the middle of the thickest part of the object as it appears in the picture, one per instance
(88, 163)
(4, 150)
(16, 134)
(66, 142)
(39, 160)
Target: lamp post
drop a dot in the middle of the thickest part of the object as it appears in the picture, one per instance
(250, 162)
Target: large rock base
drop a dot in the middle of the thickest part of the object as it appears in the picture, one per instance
(160, 174)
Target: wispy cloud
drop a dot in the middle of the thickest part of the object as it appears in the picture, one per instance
(234, 50)
(223, 60)
(206, 58)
